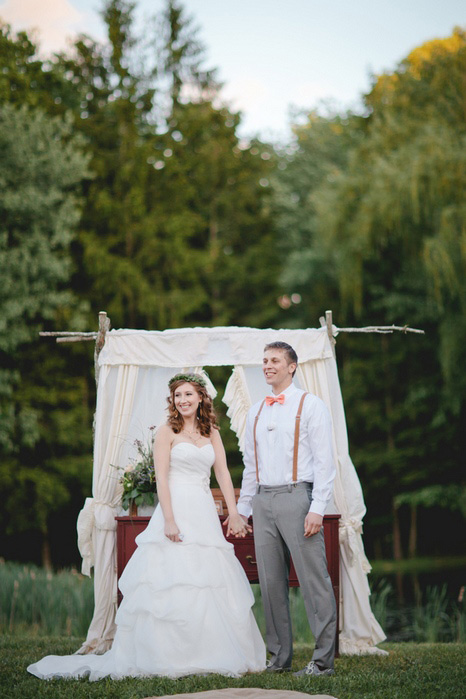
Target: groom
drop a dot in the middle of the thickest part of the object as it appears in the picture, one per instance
(287, 484)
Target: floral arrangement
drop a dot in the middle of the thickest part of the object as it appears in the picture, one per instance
(138, 478)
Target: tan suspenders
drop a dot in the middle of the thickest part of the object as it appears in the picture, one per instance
(255, 440)
(296, 439)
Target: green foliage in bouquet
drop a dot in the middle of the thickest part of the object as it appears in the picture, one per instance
(138, 479)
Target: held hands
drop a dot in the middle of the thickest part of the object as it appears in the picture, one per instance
(172, 532)
(312, 524)
(237, 525)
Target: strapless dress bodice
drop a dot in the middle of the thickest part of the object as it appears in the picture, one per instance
(191, 464)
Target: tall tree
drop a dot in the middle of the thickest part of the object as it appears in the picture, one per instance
(27, 79)
(318, 155)
(221, 196)
(176, 216)
(41, 164)
(112, 101)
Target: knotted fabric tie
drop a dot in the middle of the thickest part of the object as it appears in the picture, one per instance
(270, 400)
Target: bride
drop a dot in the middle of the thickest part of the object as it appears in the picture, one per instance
(186, 605)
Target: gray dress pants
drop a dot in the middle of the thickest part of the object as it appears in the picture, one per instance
(278, 518)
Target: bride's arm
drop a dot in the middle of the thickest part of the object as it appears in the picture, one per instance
(162, 446)
(236, 524)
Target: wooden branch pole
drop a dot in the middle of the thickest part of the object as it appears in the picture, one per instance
(327, 322)
(99, 337)
(382, 329)
(65, 336)
(104, 325)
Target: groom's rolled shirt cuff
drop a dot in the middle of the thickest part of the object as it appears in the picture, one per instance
(318, 507)
(244, 509)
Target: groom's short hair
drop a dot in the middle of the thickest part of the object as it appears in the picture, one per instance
(289, 352)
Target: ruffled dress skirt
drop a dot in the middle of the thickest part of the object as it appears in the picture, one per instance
(187, 607)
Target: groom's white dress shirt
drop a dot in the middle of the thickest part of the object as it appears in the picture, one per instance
(275, 442)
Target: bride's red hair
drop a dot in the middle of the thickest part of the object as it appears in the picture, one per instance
(205, 413)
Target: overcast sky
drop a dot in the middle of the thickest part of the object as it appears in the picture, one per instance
(274, 53)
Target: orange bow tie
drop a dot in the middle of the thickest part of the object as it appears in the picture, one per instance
(270, 400)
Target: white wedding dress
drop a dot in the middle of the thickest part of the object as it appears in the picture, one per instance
(186, 606)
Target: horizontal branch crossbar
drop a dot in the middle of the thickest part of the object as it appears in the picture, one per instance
(66, 336)
(382, 329)
(86, 338)
(65, 333)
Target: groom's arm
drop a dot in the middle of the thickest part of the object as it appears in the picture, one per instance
(320, 444)
(248, 486)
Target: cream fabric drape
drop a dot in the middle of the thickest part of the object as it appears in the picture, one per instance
(238, 400)
(359, 630)
(193, 347)
(96, 522)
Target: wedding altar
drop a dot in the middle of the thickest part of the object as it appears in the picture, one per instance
(134, 367)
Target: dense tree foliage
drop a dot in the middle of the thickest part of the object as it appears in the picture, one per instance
(125, 187)
(41, 165)
(380, 234)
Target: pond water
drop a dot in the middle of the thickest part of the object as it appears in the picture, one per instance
(428, 606)
(409, 587)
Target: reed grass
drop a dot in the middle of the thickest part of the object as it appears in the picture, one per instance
(434, 618)
(300, 625)
(41, 603)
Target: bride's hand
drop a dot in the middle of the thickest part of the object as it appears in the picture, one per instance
(237, 526)
(172, 532)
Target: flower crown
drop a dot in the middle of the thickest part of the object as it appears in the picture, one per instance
(190, 378)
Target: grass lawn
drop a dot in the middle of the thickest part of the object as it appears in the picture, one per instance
(410, 671)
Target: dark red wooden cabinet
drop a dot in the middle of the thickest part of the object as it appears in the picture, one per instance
(129, 527)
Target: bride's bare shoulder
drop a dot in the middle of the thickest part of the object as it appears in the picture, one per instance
(164, 433)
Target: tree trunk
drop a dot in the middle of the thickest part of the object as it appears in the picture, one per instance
(397, 549)
(390, 442)
(412, 544)
(214, 253)
(378, 551)
(46, 556)
(397, 552)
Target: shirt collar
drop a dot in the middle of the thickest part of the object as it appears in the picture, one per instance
(287, 392)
